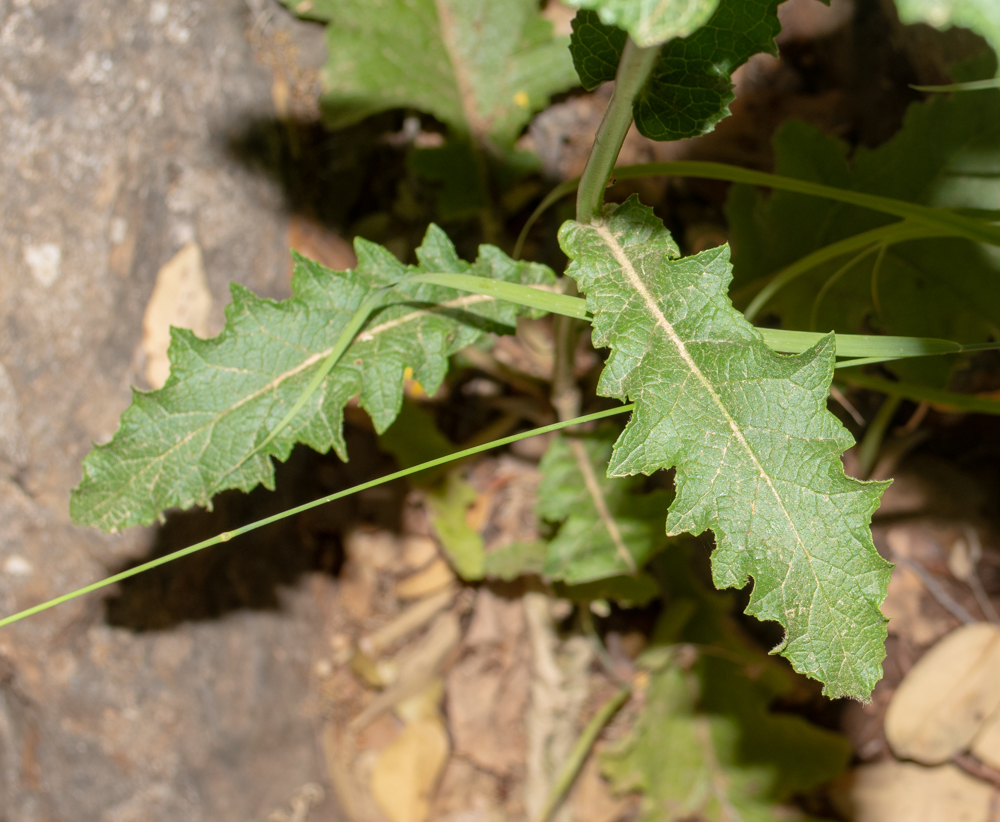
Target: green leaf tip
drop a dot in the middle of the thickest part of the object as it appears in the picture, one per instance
(757, 454)
(689, 89)
(651, 22)
(207, 429)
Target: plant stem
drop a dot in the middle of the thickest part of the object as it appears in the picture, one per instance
(634, 68)
(577, 758)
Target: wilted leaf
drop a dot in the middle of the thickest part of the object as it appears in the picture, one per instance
(947, 154)
(756, 451)
(606, 527)
(904, 792)
(199, 434)
(689, 90)
(406, 773)
(481, 66)
(946, 697)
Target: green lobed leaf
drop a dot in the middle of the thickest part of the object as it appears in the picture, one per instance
(706, 745)
(201, 432)
(947, 154)
(606, 527)
(982, 16)
(651, 22)
(481, 66)
(463, 544)
(689, 90)
(757, 454)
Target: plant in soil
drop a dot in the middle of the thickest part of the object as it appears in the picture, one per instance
(875, 270)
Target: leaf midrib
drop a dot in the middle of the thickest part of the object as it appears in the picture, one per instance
(654, 309)
(158, 462)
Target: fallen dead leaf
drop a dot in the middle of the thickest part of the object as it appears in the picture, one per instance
(418, 551)
(946, 697)
(434, 578)
(904, 792)
(986, 745)
(410, 620)
(407, 772)
(181, 299)
(592, 800)
(488, 687)
(318, 243)
(418, 665)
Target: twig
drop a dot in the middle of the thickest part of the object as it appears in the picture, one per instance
(936, 590)
(578, 756)
(974, 767)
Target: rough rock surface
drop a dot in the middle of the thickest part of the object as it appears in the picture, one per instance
(114, 120)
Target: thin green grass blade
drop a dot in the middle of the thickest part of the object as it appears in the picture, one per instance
(974, 85)
(525, 295)
(564, 189)
(885, 235)
(873, 347)
(922, 393)
(228, 535)
(952, 222)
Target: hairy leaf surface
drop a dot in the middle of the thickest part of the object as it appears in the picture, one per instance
(651, 22)
(706, 746)
(607, 528)
(947, 154)
(481, 66)
(199, 434)
(757, 453)
(689, 90)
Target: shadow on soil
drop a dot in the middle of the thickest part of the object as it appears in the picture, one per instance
(247, 572)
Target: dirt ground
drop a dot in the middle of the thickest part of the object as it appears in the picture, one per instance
(241, 684)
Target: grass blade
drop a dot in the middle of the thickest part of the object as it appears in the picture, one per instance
(225, 536)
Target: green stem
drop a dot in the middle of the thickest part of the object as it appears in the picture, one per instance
(870, 446)
(578, 756)
(228, 535)
(885, 235)
(633, 69)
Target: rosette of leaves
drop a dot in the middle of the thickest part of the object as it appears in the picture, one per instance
(946, 154)
(210, 427)
(756, 451)
(689, 89)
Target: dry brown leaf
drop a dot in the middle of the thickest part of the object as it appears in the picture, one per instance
(592, 800)
(180, 298)
(418, 665)
(418, 551)
(423, 705)
(434, 578)
(406, 773)
(410, 620)
(488, 687)
(904, 792)
(944, 700)
(318, 243)
(986, 745)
